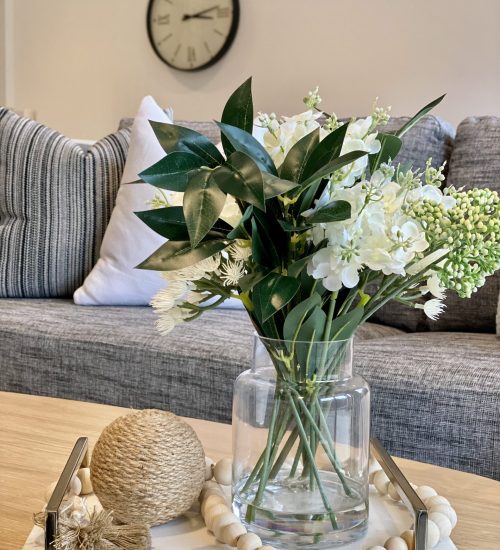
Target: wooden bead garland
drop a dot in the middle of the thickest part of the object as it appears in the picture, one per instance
(226, 527)
(442, 517)
(214, 509)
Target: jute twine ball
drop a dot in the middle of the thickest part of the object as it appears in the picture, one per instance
(148, 467)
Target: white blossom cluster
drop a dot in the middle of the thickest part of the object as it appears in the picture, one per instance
(380, 234)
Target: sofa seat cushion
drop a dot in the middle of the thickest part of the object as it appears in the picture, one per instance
(436, 397)
(115, 355)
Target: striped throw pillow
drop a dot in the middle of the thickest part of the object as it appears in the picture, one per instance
(55, 203)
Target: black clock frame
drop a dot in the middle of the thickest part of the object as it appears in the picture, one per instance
(227, 44)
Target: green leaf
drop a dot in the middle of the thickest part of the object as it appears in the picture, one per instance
(313, 328)
(266, 240)
(335, 211)
(295, 268)
(171, 172)
(170, 223)
(298, 315)
(327, 150)
(203, 203)
(248, 281)
(274, 186)
(240, 177)
(238, 112)
(174, 138)
(175, 255)
(273, 293)
(246, 143)
(296, 160)
(332, 166)
(345, 326)
(389, 149)
(414, 120)
(167, 222)
(243, 229)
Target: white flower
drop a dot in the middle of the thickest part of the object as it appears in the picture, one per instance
(231, 212)
(240, 250)
(337, 264)
(432, 308)
(313, 99)
(434, 286)
(280, 138)
(169, 319)
(231, 272)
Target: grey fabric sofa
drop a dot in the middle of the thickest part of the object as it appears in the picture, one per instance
(436, 393)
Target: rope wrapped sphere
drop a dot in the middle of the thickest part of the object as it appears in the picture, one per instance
(148, 466)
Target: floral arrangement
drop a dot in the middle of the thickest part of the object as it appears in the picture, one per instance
(321, 203)
(314, 229)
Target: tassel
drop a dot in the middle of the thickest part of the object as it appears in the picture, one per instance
(99, 533)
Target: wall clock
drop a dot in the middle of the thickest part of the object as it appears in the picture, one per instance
(192, 34)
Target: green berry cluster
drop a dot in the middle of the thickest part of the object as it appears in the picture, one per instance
(471, 231)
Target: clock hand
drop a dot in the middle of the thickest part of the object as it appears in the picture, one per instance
(196, 16)
(200, 14)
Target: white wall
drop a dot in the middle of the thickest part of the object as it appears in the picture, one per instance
(81, 65)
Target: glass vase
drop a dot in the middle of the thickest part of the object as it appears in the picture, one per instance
(301, 429)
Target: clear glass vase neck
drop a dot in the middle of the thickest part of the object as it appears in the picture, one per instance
(304, 362)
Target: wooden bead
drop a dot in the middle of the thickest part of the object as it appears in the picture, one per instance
(209, 472)
(222, 521)
(267, 547)
(433, 534)
(249, 541)
(372, 473)
(393, 493)
(409, 537)
(211, 500)
(84, 477)
(232, 532)
(214, 511)
(381, 482)
(443, 523)
(75, 486)
(448, 511)
(424, 491)
(210, 487)
(395, 543)
(223, 471)
(436, 500)
(376, 548)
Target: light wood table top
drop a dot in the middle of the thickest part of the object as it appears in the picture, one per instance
(38, 433)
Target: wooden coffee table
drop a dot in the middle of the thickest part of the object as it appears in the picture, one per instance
(37, 434)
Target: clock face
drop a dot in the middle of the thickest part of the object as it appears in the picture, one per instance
(192, 34)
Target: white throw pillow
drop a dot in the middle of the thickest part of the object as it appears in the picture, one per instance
(128, 241)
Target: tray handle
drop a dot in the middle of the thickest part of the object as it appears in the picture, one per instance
(78, 458)
(408, 495)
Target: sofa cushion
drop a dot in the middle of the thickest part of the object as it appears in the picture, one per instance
(55, 202)
(436, 397)
(115, 355)
(432, 138)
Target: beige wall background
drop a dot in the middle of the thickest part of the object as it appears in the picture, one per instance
(82, 65)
